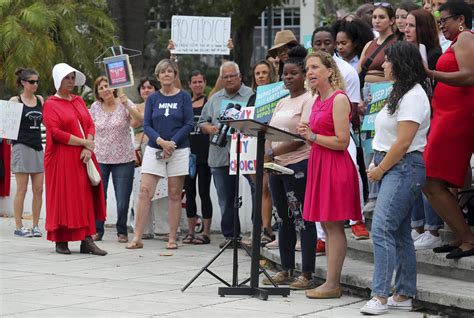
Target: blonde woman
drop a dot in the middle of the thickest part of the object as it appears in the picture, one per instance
(332, 174)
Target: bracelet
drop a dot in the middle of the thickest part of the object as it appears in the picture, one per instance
(380, 166)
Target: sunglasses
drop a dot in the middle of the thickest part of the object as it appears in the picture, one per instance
(382, 4)
(32, 82)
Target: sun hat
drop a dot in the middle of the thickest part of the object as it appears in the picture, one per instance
(61, 70)
(282, 38)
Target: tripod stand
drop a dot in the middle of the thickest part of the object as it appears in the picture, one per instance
(235, 288)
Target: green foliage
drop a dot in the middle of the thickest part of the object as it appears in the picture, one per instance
(40, 34)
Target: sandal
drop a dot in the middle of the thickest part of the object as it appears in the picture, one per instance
(188, 239)
(172, 246)
(202, 239)
(134, 245)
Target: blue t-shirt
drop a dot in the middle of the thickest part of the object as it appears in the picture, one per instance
(168, 117)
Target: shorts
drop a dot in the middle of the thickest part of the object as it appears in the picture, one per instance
(176, 165)
(26, 159)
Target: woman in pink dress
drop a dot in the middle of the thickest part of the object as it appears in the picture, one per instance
(332, 188)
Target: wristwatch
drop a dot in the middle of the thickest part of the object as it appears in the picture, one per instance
(313, 137)
(269, 153)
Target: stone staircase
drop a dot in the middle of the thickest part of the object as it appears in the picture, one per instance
(443, 286)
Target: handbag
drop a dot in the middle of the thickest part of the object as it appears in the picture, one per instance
(192, 165)
(92, 171)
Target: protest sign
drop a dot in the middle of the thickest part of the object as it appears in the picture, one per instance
(248, 148)
(379, 93)
(200, 35)
(267, 99)
(118, 71)
(10, 118)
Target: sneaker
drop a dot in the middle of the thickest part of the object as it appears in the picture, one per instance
(320, 247)
(23, 232)
(272, 245)
(36, 231)
(369, 206)
(359, 232)
(302, 283)
(298, 246)
(415, 235)
(400, 305)
(280, 278)
(427, 241)
(374, 307)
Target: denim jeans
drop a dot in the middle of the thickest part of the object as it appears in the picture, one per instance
(253, 188)
(122, 177)
(288, 198)
(225, 186)
(391, 229)
(424, 215)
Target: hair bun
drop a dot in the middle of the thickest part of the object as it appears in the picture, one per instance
(19, 71)
(298, 52)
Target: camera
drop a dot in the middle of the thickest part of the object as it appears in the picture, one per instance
(159, 154)
(232, 111)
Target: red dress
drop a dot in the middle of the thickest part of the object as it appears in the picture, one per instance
(72, 203)
(450, 141)
(5, 155)
(332, 186)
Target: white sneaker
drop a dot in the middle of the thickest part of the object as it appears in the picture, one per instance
(400, 305)
(374, 307)
(272, 245)
(415, 235)
(427, 241)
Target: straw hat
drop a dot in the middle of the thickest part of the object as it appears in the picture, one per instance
(61, 70)
(282, 38)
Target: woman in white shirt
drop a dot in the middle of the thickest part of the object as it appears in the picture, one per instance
(400, 137)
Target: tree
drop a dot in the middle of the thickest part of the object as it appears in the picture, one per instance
(42, 33)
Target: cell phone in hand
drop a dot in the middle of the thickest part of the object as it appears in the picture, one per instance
(159, 155)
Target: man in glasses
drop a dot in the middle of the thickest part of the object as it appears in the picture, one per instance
(234, 90)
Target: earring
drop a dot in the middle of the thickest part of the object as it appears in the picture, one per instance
(461, 28)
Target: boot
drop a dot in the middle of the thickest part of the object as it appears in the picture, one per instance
(88, 246)
(62, 248)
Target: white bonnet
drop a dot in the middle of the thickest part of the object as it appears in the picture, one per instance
(61, 70)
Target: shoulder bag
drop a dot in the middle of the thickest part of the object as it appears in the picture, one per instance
(94, 175)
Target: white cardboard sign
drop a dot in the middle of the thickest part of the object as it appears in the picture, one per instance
(200, 35)
(248, 149)
(10, 118)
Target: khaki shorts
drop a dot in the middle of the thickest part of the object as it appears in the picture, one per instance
(176, 165)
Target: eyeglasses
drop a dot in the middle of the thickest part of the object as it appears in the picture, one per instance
(32, 82)
(382, 4)
(442, 21)
(230, 76)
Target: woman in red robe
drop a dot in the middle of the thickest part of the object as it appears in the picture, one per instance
(72, 203)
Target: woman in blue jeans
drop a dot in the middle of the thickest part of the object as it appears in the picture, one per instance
(288, 190)
(400, 137)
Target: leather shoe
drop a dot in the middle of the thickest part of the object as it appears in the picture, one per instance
(458, 253)
(444, 249)
(324, 294)
(62, 248)
(88, 247)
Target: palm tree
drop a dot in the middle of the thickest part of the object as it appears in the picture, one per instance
(42, 33)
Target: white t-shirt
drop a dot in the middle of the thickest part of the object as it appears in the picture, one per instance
(414, 106)
(351, 77)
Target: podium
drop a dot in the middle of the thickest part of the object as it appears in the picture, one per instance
(262, 131)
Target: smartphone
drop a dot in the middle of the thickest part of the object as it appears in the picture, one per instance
(159, 154)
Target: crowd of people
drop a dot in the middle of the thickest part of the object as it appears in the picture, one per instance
(407, 169)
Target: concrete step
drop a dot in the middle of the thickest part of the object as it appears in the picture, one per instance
(427, 261)
(441, 294)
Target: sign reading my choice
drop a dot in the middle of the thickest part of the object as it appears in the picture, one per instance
(200, 35)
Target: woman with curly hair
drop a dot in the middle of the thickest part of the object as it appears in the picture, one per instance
(400, 137)
(351, 38)
(332, 174)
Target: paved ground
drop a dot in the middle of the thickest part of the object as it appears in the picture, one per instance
(37, 282)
